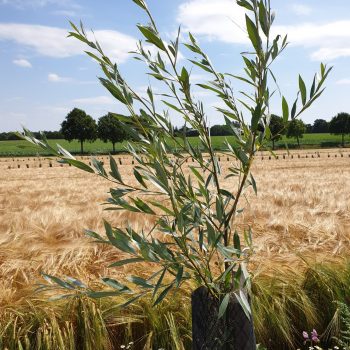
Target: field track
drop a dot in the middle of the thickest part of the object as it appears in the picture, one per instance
(45, 162)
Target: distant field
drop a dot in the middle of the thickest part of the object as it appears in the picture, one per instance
(24, 148)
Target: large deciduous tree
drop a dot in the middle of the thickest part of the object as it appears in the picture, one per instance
(320, 126)
(277, 129)
(110, 129)
(221, 130)
(340, 125)
(79, 126)
(296, 129)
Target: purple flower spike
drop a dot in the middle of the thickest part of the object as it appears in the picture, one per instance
(314, 336)
(305, 335)
(315, 340)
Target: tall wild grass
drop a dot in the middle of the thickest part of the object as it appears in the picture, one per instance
(285, 303)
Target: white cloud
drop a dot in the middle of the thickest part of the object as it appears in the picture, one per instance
(98, 100)
(327, 41)
(330, 53)
(22, 4)
(65, 13)
(223, 20)
(53, 41)
(216, 20)
(56, 109)
(55, 78)
(301, 10)
(22, 63)
(345, 81)
(200, 78)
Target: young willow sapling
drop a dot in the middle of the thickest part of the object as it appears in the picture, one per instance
(193, 207)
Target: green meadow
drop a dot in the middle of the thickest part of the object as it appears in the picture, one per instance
(24, 148)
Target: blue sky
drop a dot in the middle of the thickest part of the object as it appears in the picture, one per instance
(44, 75)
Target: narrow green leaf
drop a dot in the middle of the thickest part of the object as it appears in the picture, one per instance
(140, 282)
(197, 174)
(223, 305)
(211, 237)
(237, 241)
(162, 295)
(79, 37)
(132, 300)
(140, 3)
(151, 36)
(253, 34)
(243, 301)
(98, 165)
(294, 108)
(96, 58)
(200, 239)
(185, 78)
(95, 235)
(285, 110)
(144, 207)
(99, 295)
(193, 48)
(162, 207)
(175, 108)
(219, 209)
(208, 87)
(179, 275)
(201, 65)
(126, 261)
(253, 182)
(242, 79)
(302, 89)
(159, 282)
(58, 281)
(256, 115)
(114, 169)
(313, 87)
(114, 90)
(64, 152)
(74, 26)
(263, 18)
(248, 237)
(115, 284)
(78, 164)
(119, 240)
(245, 4)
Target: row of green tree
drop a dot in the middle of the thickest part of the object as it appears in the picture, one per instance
(339, 125)
(80, 126)
(51, 135)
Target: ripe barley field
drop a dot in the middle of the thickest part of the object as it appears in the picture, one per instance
(300, 216)
(302, 209)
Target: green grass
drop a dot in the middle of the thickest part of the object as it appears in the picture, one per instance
(24, 148)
